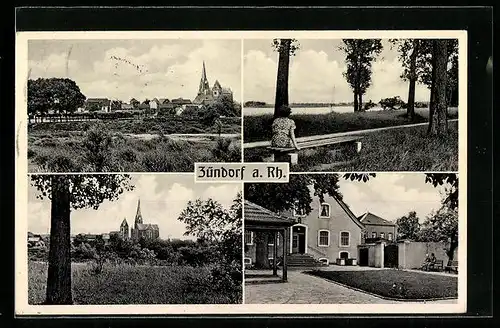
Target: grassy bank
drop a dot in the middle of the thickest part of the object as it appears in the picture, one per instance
(258, 128)
(50, 151)
(396, 283)
(402, 149)
(133, 285)
(166, 125)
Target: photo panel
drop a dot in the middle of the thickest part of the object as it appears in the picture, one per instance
(114, 104)
(356, 238)
(373, 101)
(128, 240)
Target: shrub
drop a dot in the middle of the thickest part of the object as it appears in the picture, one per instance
(226, 151)
(97, 144)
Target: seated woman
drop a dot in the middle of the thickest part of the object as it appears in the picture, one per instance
(283, 129)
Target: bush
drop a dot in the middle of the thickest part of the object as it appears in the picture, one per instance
(97, 145)
(226, 151)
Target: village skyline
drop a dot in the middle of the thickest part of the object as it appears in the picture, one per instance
(139, 69)
(162, 198)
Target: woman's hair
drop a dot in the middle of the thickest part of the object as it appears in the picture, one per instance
(284, 111)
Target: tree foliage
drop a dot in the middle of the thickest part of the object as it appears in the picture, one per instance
(86, 190)
(62, 95)
(408, 226)
(450, 182)
(359, 56)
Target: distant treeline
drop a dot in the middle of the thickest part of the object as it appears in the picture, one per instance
(261, 104)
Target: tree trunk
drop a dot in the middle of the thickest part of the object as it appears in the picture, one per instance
(59, 273)
(355, 100)
(439, 121)
(451, 251)
(360, 104)
(282, 78)
(261, 250)
(410, 110)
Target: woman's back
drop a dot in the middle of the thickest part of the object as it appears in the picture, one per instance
(282, 128)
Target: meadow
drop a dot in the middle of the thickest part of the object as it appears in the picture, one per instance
(137, 145)
(402, 149)
(140, 284)
(257, 127)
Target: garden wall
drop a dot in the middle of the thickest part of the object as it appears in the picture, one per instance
(412, 254)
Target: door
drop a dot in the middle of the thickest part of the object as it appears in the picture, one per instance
(295, 242)
(363, 257)
(391, 256)
(302, 242)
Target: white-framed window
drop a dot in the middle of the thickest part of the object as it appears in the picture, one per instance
(324, 210)
(382, 235)
(344, 255)
(323, 238)
(248, 237)
(247, 260)
(297, 211)
(374, 234)
(271, 240)
(345, 238)
(389, 236)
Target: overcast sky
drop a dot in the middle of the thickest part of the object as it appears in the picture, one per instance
(122, 69)
(316, 73)
(163, 197)
(392, 195)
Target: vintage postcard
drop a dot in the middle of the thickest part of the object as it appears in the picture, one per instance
(241, 172)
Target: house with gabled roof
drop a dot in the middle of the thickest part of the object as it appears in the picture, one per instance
(377, 227)
(328, 234)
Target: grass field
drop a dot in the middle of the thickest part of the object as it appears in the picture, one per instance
(404, 149)
(64, 151)
(258, 128)
(165, 125)
(387, 283)
(133, 285)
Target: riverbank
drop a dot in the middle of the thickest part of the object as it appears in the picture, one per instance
(258, 127)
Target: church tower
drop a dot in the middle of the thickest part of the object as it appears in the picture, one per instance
(204, 88)
(138, 216)
(124, 230)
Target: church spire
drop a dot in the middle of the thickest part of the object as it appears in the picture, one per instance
(204, 85)
(138, 216)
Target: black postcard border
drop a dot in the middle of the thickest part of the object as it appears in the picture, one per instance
(476, 20)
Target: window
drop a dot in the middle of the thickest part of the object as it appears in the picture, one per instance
(374, 235)
(271, 240)
(344, 255)
(382, 235)
(324, 211)
(324, 238)
(344, 238)
(389, 236)
(297, 211)
(247, 260)
(248, 238)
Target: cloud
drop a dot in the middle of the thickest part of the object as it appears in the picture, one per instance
(390, 197)
(167, 69)
(315, 77)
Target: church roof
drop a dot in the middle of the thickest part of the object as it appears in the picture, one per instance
(217, 84)
(227, 91)
(371, 219)
(124, 222)
(147, 226)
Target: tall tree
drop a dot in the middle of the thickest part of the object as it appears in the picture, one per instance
(360, 54)
(59, 94)
(66, 192)
(408, 226)
(285, 49)
(438, 111)
(409, 50)
(450, 182)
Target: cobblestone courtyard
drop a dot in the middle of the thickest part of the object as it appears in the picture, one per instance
(305, 289)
